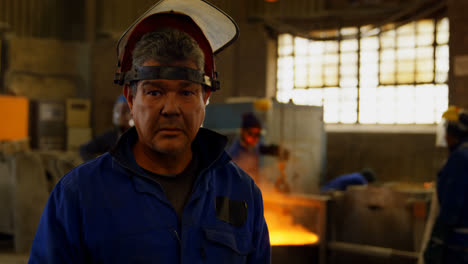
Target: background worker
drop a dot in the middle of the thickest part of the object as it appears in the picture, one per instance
(121, 119)
(246, 150)
(449, 238)
(167, 192)
(341, 182)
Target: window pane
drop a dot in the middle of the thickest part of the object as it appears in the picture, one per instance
(331, 105)
(285, 46)
(386, 105)
(349, 31)
(406, 54)
(425, 98)
(407, 29)
(316, 47)
(443, 31)
(442, 52)
(331, 76)
(388, 55)
(308, 97)
(349, 45)
(368, 105)
(405, 67)
(387, 73)
(441, 77)
(284, 96)
(285, 73)
(441, 104)
(346, 81)
(369, 57)
(406, 41)
(425, 66)
(301, 46)
(331, 59)
(425, 39)
(388, 67)
(371, 43)
(315, 80)
(348, 105)
(405, 96)
(349, 70)
(426, 26)
(442, 37)
(331, 46)
(300, 78)
(425, 53)
(349, 58)
(405, 78)
(387, 39)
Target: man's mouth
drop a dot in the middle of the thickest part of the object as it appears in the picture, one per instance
(170, 131)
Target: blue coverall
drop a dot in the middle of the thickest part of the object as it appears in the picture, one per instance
(449, 239)
(341, 182)
(109, 210)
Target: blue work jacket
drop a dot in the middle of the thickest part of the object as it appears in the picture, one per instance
(109, 210)
(452, 190)
(342, 182)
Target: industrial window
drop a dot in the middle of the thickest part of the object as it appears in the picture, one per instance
(368, 75)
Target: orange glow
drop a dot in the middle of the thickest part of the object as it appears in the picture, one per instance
(296, 236)
(281, 226)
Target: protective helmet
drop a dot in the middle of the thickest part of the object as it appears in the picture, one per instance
(209, 26)
(454, 122)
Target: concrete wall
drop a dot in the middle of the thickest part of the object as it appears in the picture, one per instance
(104, 91)
(47, 68)
(458, 89)
(393, 156)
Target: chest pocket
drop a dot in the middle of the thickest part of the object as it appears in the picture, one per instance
(226, 246)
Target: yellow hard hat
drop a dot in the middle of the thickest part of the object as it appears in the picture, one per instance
(452, 113)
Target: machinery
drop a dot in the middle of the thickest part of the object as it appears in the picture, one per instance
(26, 179)
(377, 225)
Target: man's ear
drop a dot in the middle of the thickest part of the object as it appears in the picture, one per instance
(206, 95)
(127, 92)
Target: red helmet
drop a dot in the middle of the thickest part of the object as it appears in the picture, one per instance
(209, 26)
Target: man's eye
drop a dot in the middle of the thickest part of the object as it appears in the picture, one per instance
(187, 93)
(154, 93)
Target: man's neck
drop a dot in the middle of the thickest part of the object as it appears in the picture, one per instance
(160, 163)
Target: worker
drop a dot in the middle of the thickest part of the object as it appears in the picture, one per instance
(449, 238)
(121, 119)
(341, 182)
(246, 150)
(167, 192)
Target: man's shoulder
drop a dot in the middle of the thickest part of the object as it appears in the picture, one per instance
(87, 173)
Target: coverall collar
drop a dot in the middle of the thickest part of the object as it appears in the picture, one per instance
(208, 145)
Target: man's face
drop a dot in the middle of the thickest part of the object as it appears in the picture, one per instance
(168, 113)
(250, 136)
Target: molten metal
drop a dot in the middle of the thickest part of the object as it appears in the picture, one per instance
(281, 226)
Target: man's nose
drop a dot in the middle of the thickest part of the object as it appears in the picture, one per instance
(171, 105)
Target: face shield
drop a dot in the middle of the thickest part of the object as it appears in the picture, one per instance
(455, 123)
(209, 26)
(441, 134)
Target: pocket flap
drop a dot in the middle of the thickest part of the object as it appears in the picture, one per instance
(239, 242)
